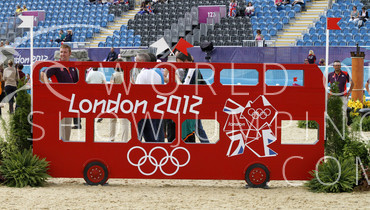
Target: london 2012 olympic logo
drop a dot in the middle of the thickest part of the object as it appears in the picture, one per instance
(166, 159)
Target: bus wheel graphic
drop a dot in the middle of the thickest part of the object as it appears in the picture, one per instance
(257, 176)
(95, 173)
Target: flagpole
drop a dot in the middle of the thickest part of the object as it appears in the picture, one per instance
(326, 76)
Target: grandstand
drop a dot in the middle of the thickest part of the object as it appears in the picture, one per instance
(120, 25)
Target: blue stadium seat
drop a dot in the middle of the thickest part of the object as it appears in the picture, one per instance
(357, 37)
(322, 37)
(300, 42)
(333, 43)
(308, 43)
(351, 43)
(137, 44)
(123, 28)
(314, 37)
(297, 8)
(317, 43)
(306, 37)
(273, 32)
(285, 20)
(348, 37)
(291, 14)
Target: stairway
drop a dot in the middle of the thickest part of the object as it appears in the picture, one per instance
(301, 24)
(116, 25)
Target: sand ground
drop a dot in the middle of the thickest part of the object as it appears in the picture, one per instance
(179, 194)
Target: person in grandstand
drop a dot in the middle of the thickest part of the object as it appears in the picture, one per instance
(342, 77)
(364, 16)
(355, 15)
(62, 75)
(24, 8)
(259, 38)
(151, 129)
(68, 37)
(190, 127)
(249, 10)
(311, 57)
(61, 35)
(18, 10)
(232, 8)
(112, 55)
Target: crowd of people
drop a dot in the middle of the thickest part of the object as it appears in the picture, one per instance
(9, 79)
(20, 9)
(109, 2)
(151, 130)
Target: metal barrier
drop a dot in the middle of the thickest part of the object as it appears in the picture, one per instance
(259, 43)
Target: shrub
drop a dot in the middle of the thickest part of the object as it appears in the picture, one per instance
(328, 172)
(357, 125)
(22, 169)
(334, 143)
(19, 127)
(310, 124)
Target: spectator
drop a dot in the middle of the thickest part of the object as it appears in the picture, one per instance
(62, 75)
(342, 78)
(249, 10)
(61, 35)
(151, 129)
(2, 44)
(232, 8)
(112, 56)
(192, 127)
(306, 61)
(364, 16)
(24, 8)
(300, 2)
(259, 36)
(117, 78)
(68, 37)
(278, 3)
(354, 15)
(322, 62)
(311, 57)
(10, 77)
(18, 11)
(19, 67)
(142, 8)
(7, 44)
(149, 8)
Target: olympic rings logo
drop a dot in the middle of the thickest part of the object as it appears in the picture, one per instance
(158, 164)
(263, 114)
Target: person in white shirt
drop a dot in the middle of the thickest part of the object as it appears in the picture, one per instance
(95, 77)
(147, 126)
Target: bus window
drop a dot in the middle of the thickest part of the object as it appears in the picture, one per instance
(59, 74)
(284, 78)
(103, 75)
(200, 131)
(239, 77)
(72, 129)
(112, 130)
(292, 134)
(156, 130)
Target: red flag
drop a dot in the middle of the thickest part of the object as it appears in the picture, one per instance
(182, 46)
(332, 23)
(295, 79)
